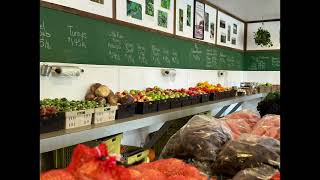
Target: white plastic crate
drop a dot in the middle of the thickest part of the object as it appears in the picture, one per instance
(104, 114)
(76, 119)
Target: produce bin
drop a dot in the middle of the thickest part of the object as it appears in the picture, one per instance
(146, 107)
(53, 122)
(195, 99)
(164, 105)
(239, 93)
(211, 96)
(125, 110)
(204, 98)
(133, 155)
(104, 114)
(62, 157)
(113, 143)
(175, 103)
(185, 101)
(219, 95)
(80, 118)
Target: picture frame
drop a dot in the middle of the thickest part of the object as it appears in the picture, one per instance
(198, 19)
(222, 24)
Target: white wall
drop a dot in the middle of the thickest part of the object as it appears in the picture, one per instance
(274, 29)
(119, 78)
(230, 21)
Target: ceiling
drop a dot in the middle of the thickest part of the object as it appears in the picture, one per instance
(250, 10)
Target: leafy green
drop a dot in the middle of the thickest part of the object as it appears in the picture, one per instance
(64, 105)
(262, 38)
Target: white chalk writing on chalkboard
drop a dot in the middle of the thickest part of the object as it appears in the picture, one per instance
(141, 54)
(275, 62)
(174, 57)
(114, 43)
(223, 59)
(196, 53)
(211, 58)
(44, 37)
(165, 56)
(76, 38)
(261, 65)
(155, 55)
(128, 52)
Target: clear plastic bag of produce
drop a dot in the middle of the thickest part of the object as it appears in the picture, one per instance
(238, 126)
(248, 115)
(248, 151)
(201, 138)
(268, 125)
(263, 172)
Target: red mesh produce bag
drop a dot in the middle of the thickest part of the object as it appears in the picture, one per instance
(248, 115)
(96, 164)
(238, 127)
(180, 177)
(269, 126)
(135, 175)
(152, 174)
(59, 174)
(276, 176)
(170, 167)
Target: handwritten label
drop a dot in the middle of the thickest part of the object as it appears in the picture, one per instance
(261, 65)
(174, 57)
(165, 56)
(211, 58)
(275, 62)
(114, 45)
(141, 54)
(76, 38)
(128, 52)
(155, 55)
(44, 37)
(196, 53)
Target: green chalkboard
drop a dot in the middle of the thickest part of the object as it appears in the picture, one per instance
(261, 61)
(69, 38)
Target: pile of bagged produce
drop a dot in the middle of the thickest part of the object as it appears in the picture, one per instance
(96, 164)
(241, 145)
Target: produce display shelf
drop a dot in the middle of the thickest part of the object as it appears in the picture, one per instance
(64, 138)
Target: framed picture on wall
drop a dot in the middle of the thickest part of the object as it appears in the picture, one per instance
(206, 21)
(180, 20)
(162, 19)
(229, 32)
(233, 41)
(134, 10)
(223, 38)
(235, 29)
(212, 31)
(150, 7)
(188, 15)
(222, 24)
(198, 30)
